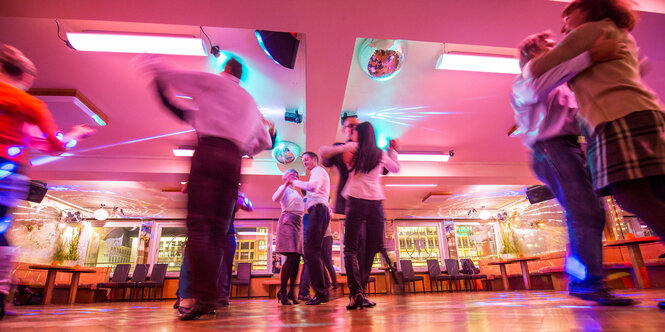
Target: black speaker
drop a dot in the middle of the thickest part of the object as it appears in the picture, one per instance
(537, 194)
(282, 47)
(37, 191)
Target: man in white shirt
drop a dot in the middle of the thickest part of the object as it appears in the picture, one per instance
(318, 191)
(545, 111)
(229, 125)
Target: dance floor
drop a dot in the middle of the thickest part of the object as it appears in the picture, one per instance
(481, 311)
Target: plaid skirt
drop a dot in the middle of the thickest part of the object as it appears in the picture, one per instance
(628, 148)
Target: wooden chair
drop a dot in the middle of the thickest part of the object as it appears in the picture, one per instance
(119, 278)
(156, 281)
(470, 269)
(435, 276)
(371, 281)
(244, 277)
(410, 276)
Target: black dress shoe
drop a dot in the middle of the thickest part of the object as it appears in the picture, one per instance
(604, 297)
(304, 298)
(355, 301)
(661, 305)
(176, 305)
(318, 299)
(367, 302)
(196, 311)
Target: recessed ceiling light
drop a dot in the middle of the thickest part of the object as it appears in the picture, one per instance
(410, 185)
(424, 156)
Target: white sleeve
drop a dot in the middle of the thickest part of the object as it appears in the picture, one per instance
(532, 90)
(314, 183)
(389, 161)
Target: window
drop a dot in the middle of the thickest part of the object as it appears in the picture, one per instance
(419, 243)
(114, 243)
(471, 240)
(252, 247)
(172, 243)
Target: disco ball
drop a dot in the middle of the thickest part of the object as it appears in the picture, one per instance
(286, 152)
(382, 59)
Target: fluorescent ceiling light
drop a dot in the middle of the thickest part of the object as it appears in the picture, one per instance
(183, 152)
(410, 185)
(133, 43)
(439, 157)
(189, 151)
(482, 63)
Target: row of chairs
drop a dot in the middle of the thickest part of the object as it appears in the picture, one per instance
(452, 275)
(120, 281)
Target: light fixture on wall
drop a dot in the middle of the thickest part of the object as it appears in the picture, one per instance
(136, 43)
(101, 213)
(478, 58)
(425, 156)
(484, 214)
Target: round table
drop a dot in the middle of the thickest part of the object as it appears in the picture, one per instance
(525, 270)
(50, 280)
(640, 276)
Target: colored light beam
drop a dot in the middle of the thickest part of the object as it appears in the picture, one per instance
(48, 159)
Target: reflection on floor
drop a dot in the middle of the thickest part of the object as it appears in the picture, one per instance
(481, 311)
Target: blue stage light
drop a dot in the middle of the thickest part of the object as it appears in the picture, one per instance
(71, 143)
(14, 151)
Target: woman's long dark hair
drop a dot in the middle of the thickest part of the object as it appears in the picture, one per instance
(368, 155)
(619, 11)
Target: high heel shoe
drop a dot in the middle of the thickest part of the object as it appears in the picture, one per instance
(283, 299)
(355, 301)
(292, 297)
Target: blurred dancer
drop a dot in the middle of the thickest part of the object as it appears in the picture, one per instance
(318, 190)
(19, 110)
(365, 196)
(229, 125)
(184, 295)
(545, 110)
(289, 235)
(627, 146)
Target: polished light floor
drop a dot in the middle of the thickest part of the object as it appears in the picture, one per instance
(459, 312)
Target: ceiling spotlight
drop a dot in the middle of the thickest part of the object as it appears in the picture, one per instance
(294, 116)
(215, 51)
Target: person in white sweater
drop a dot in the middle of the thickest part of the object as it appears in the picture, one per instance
(364, 194)
(289, 234)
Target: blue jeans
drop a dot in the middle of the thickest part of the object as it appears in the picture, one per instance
(561, 164)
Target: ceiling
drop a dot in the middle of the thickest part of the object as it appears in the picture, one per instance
(128, 162)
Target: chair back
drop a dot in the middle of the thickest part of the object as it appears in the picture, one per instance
(452, 266)
(468, 267)
(433, 268)
(407, 268)
(158, 273)
(121, 273)
(244, 271)
(140, 272)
